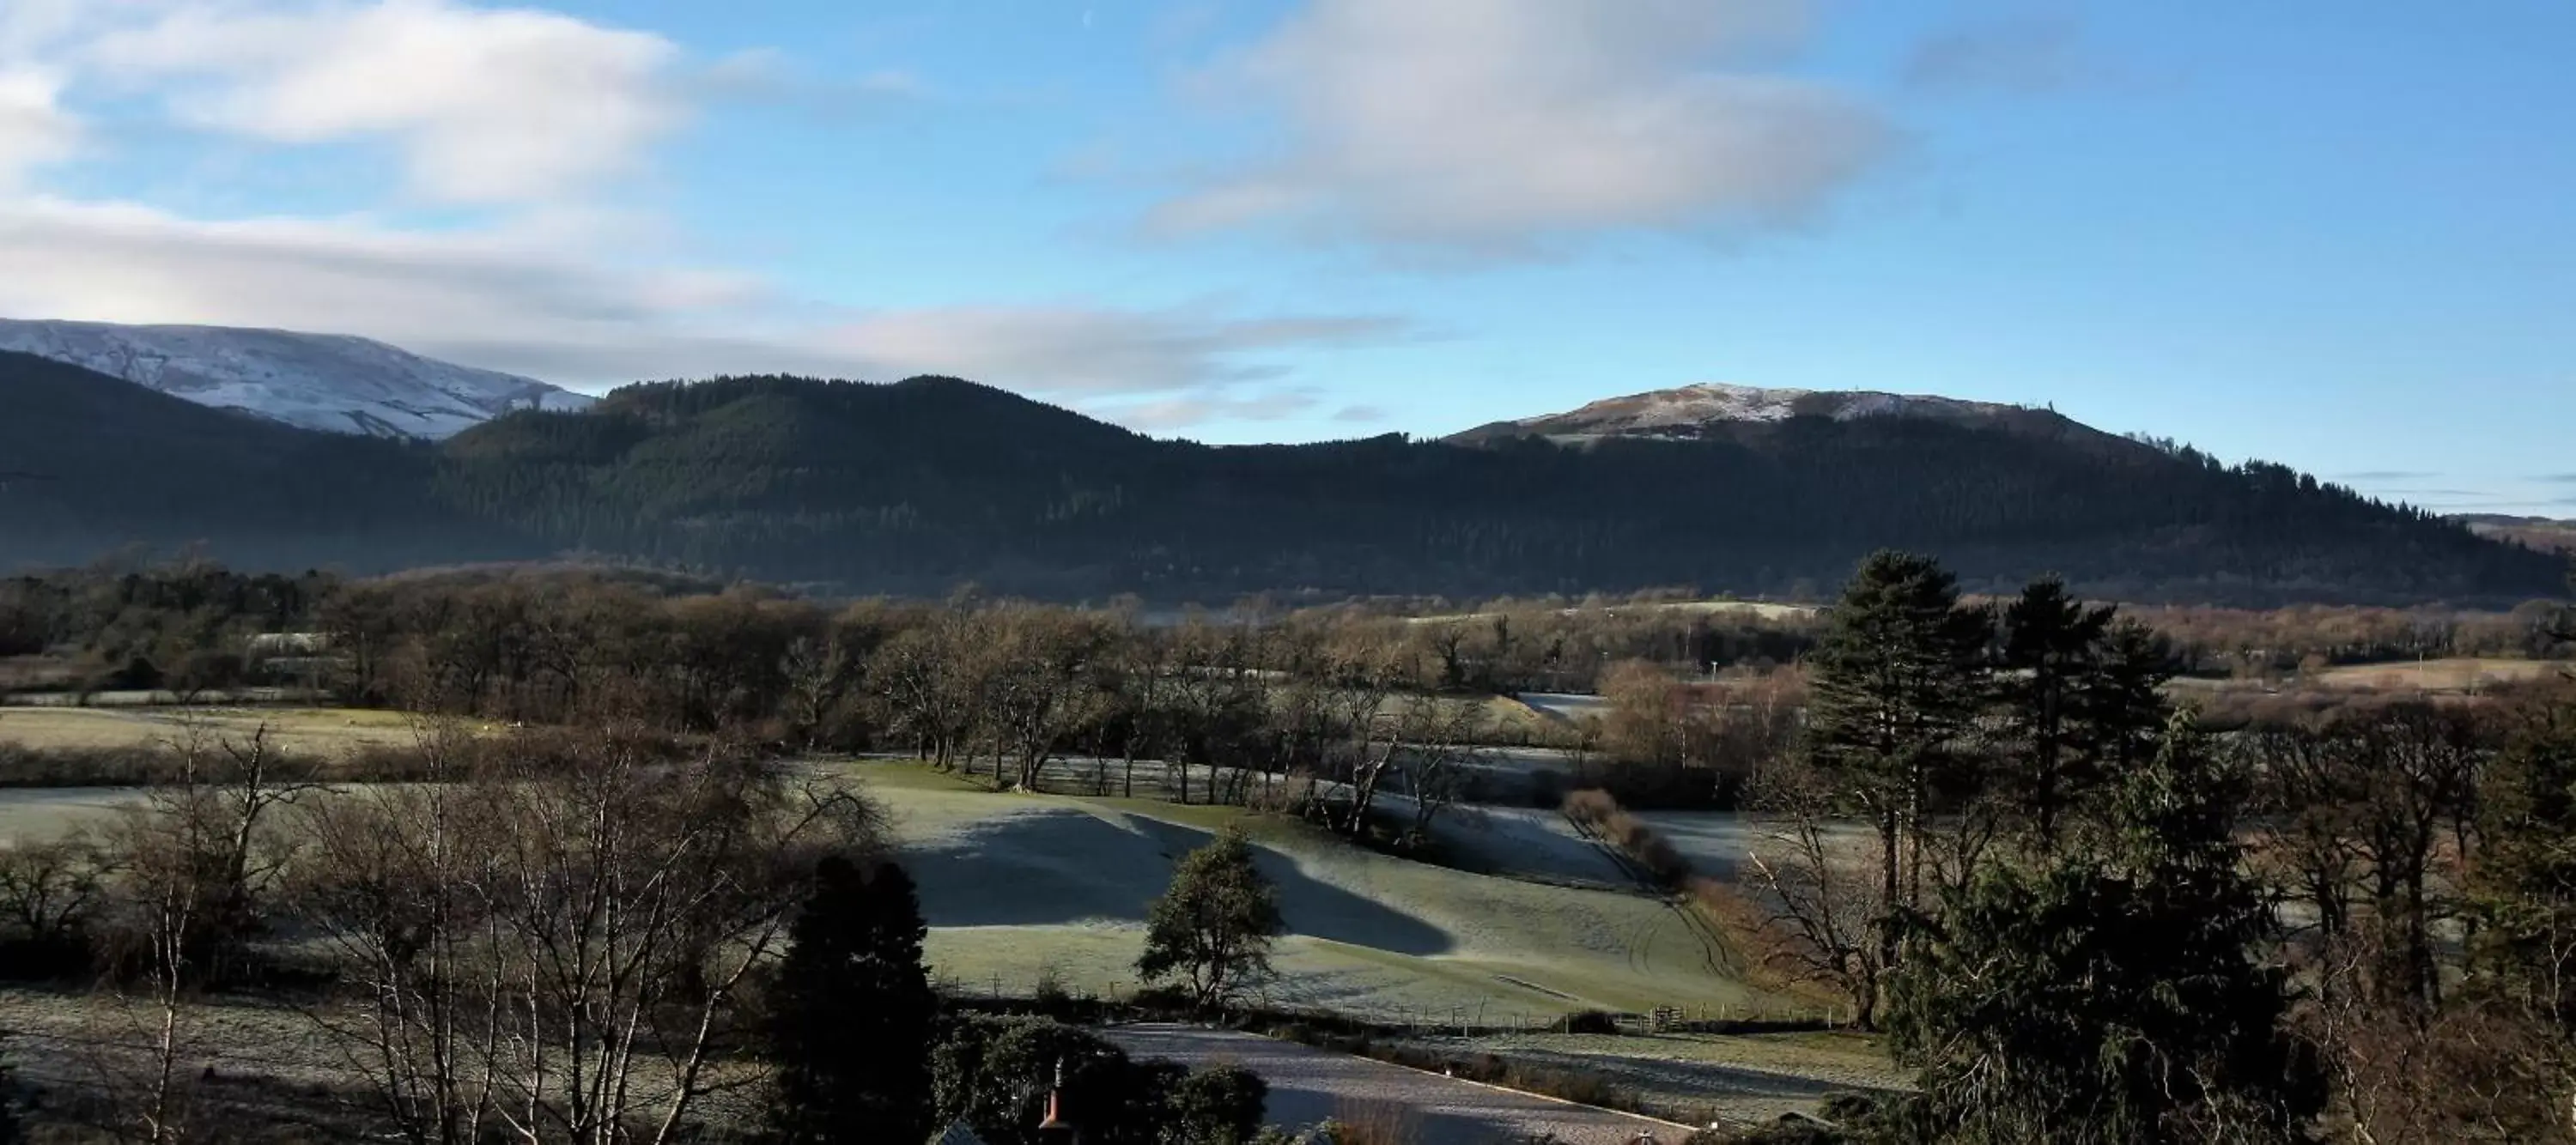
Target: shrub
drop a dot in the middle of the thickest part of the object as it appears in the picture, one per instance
(1215, 1105)
(1588, 1022)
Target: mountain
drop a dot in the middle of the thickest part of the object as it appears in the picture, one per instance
(921, 484)
(2540, 533)
(90, 464)
(327, 382)
(1715, 410)
(918, 486)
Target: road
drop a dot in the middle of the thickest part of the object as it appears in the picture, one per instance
(1309, 1085)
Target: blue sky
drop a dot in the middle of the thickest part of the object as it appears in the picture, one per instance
(2335, 235)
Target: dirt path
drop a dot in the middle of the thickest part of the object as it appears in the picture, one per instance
(1309, 1085)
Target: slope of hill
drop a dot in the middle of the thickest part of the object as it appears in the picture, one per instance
(1719, 411)
(327, 382)
(2540, 533)
(95, 464)
(924, 483)
(918, 486)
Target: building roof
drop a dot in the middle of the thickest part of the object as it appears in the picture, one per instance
(957, 1134)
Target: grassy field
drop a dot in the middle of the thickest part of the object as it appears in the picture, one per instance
(328, 732)
(2457, 675)
(1746, 1079)
(1756, 609)
(40, 814)
(1019, 888)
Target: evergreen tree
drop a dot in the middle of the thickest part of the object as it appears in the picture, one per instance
(2049, 645)
(2523, 891)
(1896, 680)
(2122, 706)
(1214, 924)
(851, 1022)
(2109, 997)
(2082, 701)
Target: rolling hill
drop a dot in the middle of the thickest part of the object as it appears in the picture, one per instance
(2543, 533)
(919, 485)
(329, 382)
(96, 464)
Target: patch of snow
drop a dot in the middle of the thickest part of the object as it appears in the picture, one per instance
(328, 382)
(1684, 411)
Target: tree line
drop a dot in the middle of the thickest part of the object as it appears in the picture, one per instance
(2083, 918)
(608, 937)
(919, 485)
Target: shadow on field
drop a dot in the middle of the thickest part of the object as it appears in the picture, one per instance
(1059, 865)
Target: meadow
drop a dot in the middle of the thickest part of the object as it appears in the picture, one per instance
(1027, 889)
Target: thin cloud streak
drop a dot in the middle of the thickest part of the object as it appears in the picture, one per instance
(546, 306)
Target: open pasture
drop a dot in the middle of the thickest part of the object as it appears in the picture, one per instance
(324, 732)
(1020, 889)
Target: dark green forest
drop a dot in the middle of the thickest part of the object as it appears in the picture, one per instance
(919, 485)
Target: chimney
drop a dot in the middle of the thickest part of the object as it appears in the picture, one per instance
(1055, 1130)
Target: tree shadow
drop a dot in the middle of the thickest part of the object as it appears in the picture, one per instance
(1058, 865)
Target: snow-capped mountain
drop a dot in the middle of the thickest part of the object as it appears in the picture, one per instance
(328, 382)
(1692, 411)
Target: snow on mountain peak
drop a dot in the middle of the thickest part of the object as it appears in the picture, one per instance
(1688, 411)
(329, 382)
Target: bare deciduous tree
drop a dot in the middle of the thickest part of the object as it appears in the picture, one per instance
(555, 948)
(192, 864)
(1819, 905)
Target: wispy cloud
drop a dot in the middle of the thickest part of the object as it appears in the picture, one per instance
(2032, 55)
(1499, 128)
(2442, 494)
(544, 303)
(1184, 412)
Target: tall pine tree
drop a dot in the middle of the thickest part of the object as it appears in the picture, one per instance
(851, 1020)
(1896, 681)
(2049, 641)
(2081, 703)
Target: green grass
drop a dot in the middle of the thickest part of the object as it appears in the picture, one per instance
(329, 732)
(1020, 886)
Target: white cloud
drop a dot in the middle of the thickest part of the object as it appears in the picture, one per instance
(541, 302)
(522, 114)
(1077, 350)
(34, 128)
(1495, 126)
(487, 105)
(1172, 414)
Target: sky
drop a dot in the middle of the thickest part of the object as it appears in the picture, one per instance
(2336, 235)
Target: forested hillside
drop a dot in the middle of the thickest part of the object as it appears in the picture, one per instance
(918, 485)
(924, 482)
(90, 464)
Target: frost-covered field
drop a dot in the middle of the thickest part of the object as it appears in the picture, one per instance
(1019, 887)
(1308, 1086)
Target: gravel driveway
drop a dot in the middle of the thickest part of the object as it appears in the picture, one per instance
(1309, 1085)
